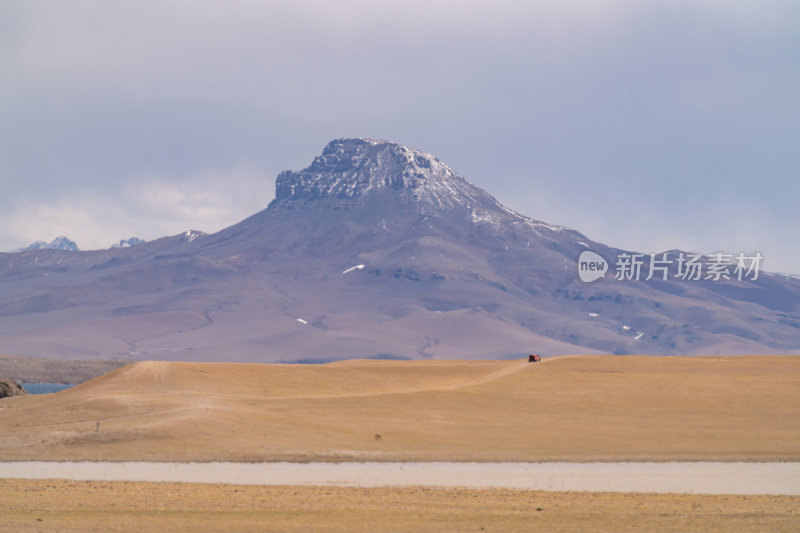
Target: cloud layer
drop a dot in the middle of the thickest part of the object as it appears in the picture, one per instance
(648, 125)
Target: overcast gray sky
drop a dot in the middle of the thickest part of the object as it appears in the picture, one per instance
(647, 125)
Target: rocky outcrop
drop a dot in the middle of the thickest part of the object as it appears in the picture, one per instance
(10, 388)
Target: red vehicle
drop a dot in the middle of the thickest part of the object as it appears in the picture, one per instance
(534, 358)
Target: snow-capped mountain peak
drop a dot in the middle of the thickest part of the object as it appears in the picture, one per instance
(352, 169)
(59, 243)
(127, 243)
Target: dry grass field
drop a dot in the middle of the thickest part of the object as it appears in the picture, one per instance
(582, 408)
(68, 506)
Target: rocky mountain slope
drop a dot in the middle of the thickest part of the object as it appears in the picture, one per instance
(377, 250)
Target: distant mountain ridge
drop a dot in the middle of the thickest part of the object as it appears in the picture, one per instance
(65, 243)
(375, 250)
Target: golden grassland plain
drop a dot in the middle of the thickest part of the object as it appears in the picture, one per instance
(581, 408)
(85, 506)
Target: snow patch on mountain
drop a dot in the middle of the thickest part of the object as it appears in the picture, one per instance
(190, 235)
(357, 267)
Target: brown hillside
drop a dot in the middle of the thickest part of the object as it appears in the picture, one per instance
(570, 408)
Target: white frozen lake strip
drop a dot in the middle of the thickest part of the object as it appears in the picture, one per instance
(669, 477)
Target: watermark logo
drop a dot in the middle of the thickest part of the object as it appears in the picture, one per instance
(684, 266)
(591, 266)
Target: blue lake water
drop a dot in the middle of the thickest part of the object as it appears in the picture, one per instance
(44, 388)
